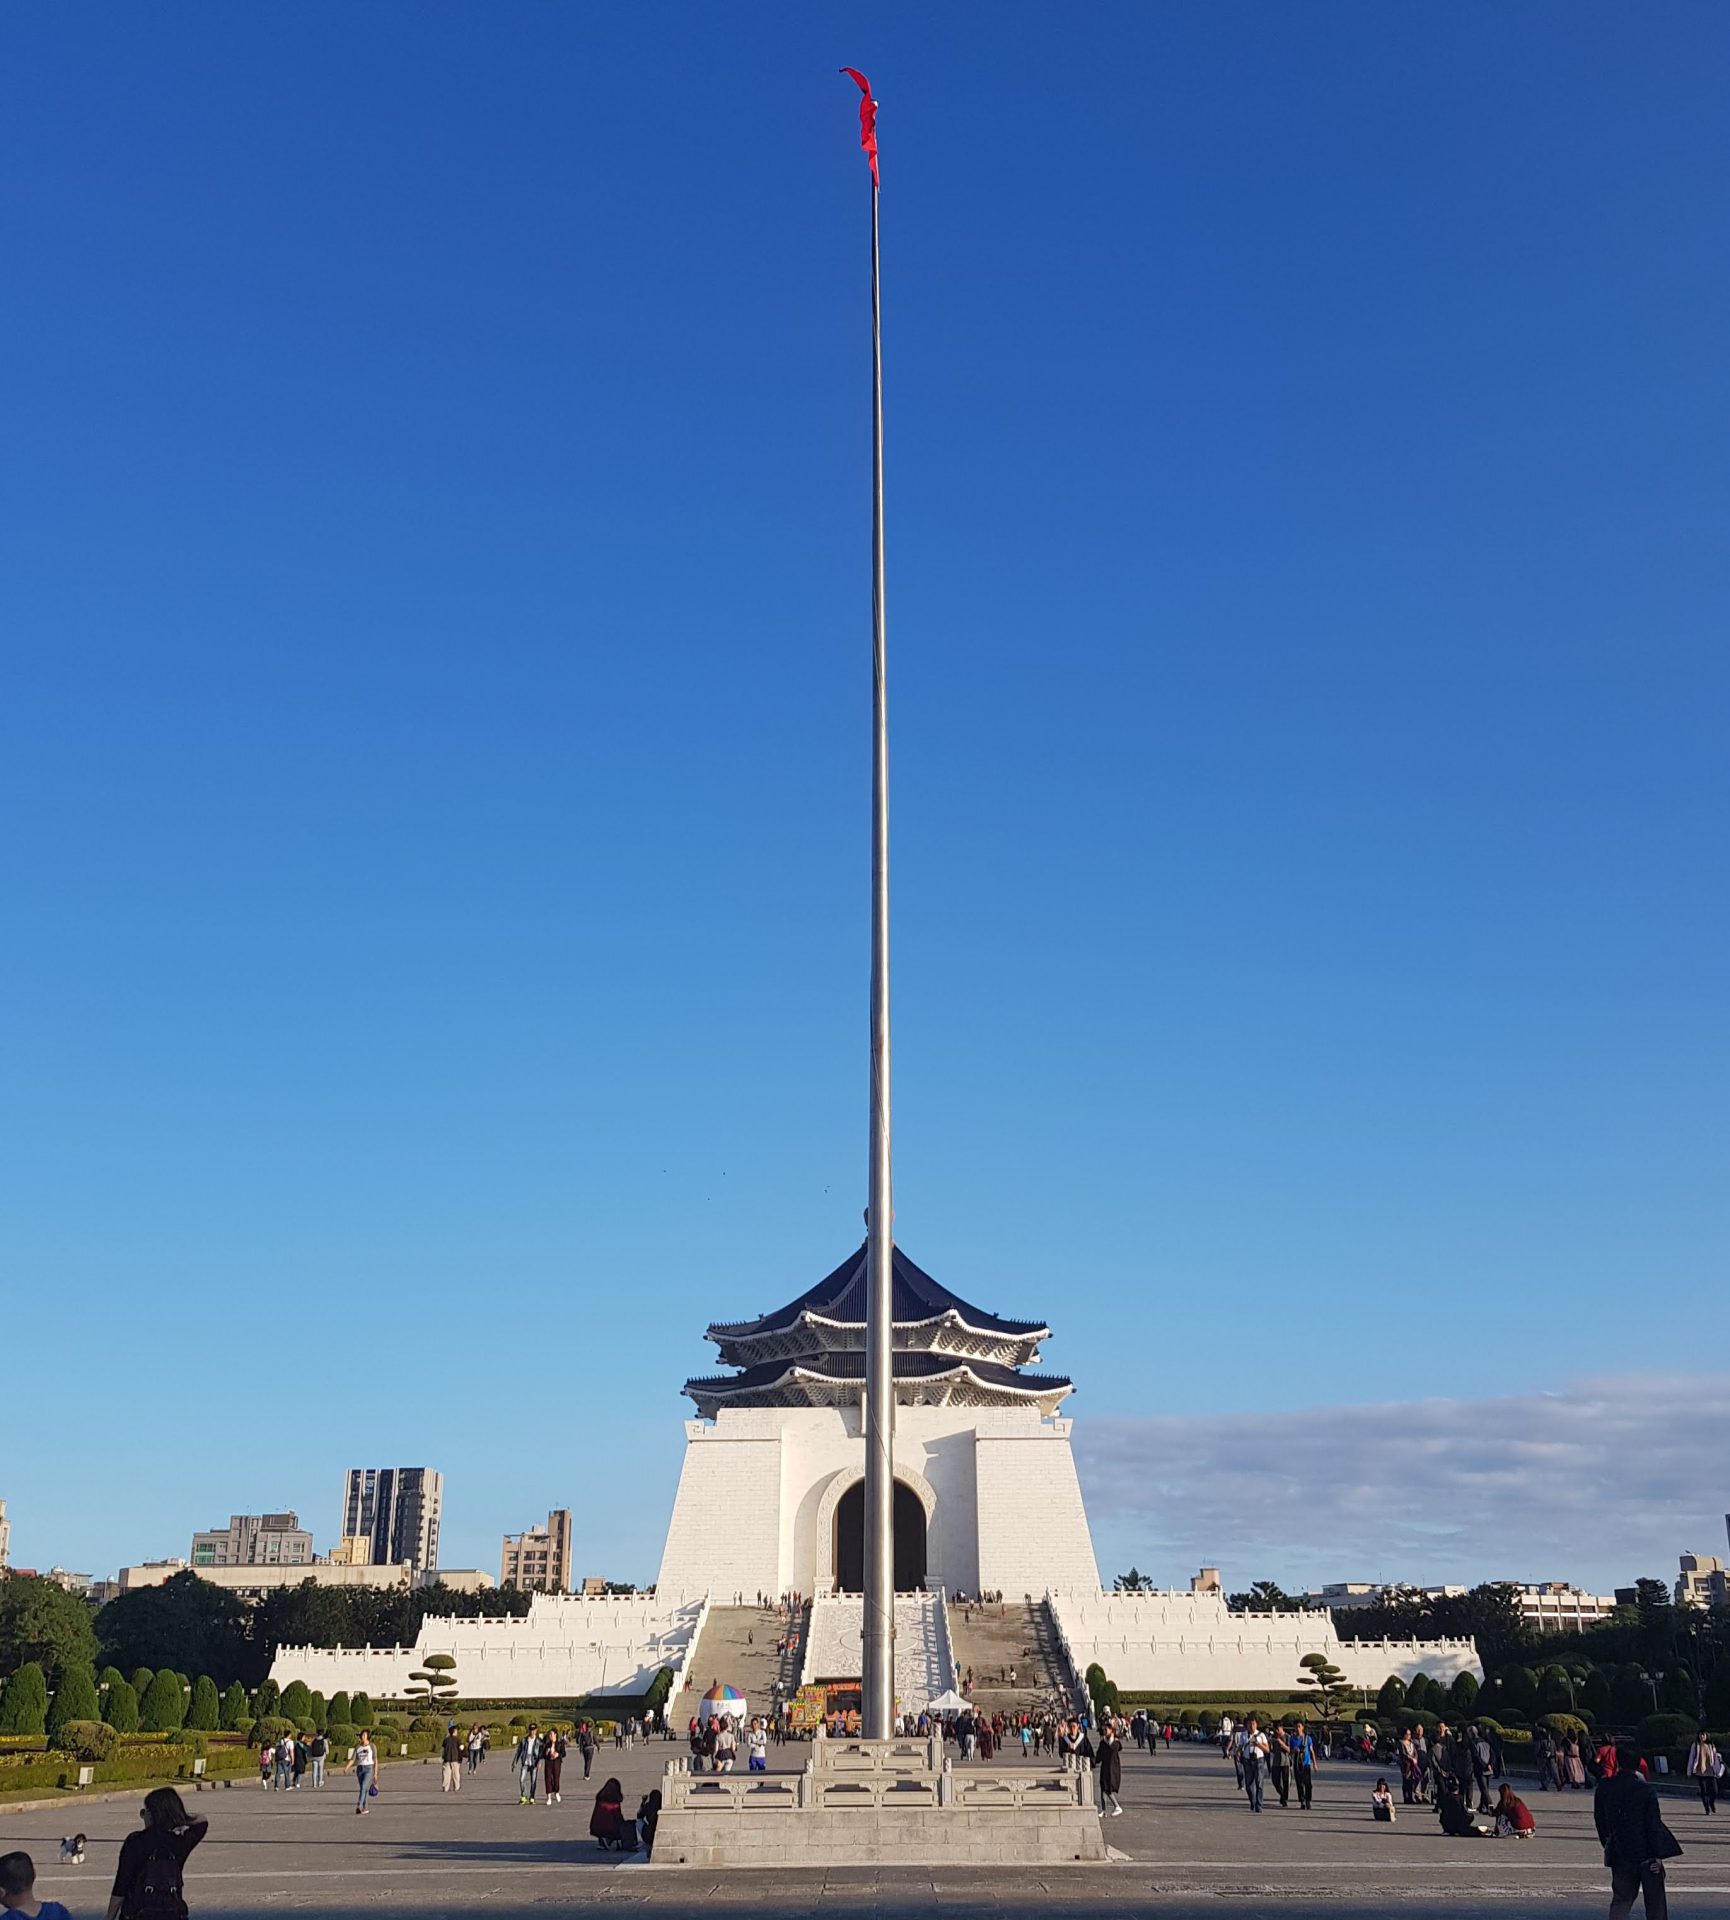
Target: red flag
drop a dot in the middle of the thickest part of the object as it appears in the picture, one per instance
(867, 120)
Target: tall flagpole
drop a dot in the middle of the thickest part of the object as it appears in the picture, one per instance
(878, 1715)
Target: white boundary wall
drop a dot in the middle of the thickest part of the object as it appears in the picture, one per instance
(563, 1648)
(1191, 1643)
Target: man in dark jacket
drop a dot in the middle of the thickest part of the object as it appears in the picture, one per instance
(1636, 1840)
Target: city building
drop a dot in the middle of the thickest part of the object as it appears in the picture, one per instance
(79, 1583)
(1702, 1582)
(323, 1573)
(5, 1539)
(398, 1509)
(539, 1558)
(352, 1550)
(1558, 1606)
(1206, 1581)
(253, 1540)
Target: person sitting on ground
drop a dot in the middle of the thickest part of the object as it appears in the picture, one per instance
(607, 1822)
(648, 1818)
(1382, 1803)
(1451, 1810)
(1513, 1816)
(153, 1860)
(18, 1890)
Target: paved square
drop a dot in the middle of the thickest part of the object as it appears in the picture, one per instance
(1192, 1844)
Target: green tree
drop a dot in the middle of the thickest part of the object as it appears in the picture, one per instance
(1630, 1696)
(340, 1714)
(41, 1622)
(204, 1709)
(141, 1679)
(1264, 1596)
(1418, 1693)
(120, 1707)
(1390, 1702)
(232, 1708)
(1463, 1694)
(436, 1679)
(1718, 1693)
(297, 1700)
(163, 1707)
(1132, 1582)
(74, 1698)
(1326, 1681)
(361, 1715)
(1556, 1690)
(186, 1624)
(320, 1710)
(267, 1702)
(1596, 1695)
(24, 1705)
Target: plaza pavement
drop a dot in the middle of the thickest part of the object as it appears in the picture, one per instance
(1193, 1847)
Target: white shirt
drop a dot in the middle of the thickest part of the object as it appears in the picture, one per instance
(364, 1755)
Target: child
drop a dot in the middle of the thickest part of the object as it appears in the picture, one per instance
(1382, 1803)
(18, 1890)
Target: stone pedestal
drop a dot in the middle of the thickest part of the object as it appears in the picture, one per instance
(878, 1803)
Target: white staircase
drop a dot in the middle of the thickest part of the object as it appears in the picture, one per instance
(924, 1663)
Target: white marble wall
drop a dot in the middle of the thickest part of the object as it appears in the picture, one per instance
(1191, 1643)
(758, 1489)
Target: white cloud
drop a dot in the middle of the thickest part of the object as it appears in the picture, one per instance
(1598, 1483)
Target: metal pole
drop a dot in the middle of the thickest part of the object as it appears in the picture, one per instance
(879, 1626)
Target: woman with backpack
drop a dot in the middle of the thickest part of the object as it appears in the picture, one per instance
(147, 1884)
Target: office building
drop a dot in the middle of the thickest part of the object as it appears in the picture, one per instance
(352, 1550)
(398, 1509)
(1702, 1582)
(539, 1558)
(254, 1540)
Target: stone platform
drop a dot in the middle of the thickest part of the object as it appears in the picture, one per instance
(878, 1803)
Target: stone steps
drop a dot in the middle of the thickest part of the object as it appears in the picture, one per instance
(737, 1649)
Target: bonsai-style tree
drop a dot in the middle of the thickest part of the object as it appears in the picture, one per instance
(1326, 1682)
(436, 1682)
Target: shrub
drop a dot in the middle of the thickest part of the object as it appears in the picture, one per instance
(297, 1699)
(1595, 1694)
(243, 1728)
(231, 1709)
(1664, 1732)
(204, 1709)
(1565, 1726)
(1463, 1694)
(120, 1707)
(426, 1723)
(24, 1705)
(74, 1699)
(320, 1707)
(339, 1713)
(88, 1740)
(1392, 1696)
(306, 1726)
(341, 1733)
(163, 1706)
(189, 1740)
(272, 1727)
(361, 1711)
(141, 1679)
(267, 1702)
(107, 1678)
(421, 1744)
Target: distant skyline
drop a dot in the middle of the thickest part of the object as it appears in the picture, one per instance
(435, 752)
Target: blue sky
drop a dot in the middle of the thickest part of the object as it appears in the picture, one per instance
(434, 743)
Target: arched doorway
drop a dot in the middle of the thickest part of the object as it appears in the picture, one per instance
(850, 1539)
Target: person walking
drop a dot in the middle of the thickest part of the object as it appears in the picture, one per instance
(527, 1764)
(553, 1751)
(1108, 1764)
(1478, 1750)
(586, 1746)
(318, 1751)
(1706, 1769)
(454, 1748)
(1635, 1839)
(300, 1760)
(1254, 1754)
(1303, 1766)
(475, 1749)
(363, 1764)
(151, 1874)
(1279, 1764)
(285, 1763)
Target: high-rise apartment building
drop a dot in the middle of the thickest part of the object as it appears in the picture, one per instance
(398, 1509)
(254, 1540)
(539, 1557)
(5, 1539)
